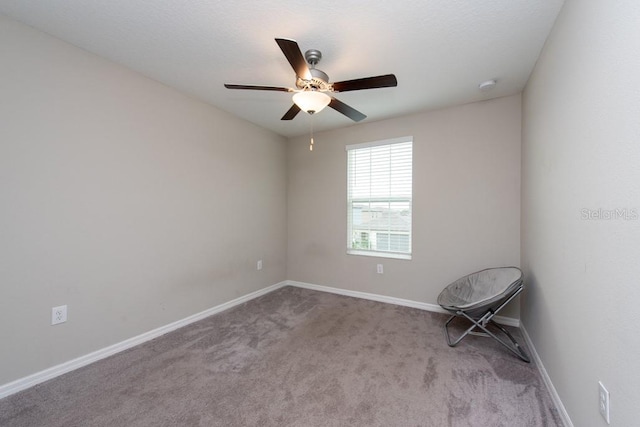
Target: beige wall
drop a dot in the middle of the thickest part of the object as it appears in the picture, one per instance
(131, 203)
(581, 150)
(466, 209)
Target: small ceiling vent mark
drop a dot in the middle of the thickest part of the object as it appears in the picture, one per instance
(486, 86)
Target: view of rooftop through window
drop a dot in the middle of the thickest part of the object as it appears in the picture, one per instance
(380, 198)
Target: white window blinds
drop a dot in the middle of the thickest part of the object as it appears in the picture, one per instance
(379, 198)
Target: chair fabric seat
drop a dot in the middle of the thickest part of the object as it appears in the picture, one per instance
(480, 290)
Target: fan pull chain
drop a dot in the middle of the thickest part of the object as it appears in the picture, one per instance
(311, 131)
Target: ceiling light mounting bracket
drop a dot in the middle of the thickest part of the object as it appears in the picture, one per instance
(313, 56)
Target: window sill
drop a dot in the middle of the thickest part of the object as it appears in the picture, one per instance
(379, 254)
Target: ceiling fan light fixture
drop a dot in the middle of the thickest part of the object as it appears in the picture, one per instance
(311, 101)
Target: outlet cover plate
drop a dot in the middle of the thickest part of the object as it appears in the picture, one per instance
(58, 314)
(604, 401)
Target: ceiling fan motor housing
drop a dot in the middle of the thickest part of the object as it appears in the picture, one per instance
(319, 81)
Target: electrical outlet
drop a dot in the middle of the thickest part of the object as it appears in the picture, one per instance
(259, 265)
(604, 402)
(58, 314)
(380, 269)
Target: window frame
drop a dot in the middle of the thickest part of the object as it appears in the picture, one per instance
(351, 250)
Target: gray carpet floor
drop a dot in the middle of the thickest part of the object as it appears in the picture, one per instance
(297, 357)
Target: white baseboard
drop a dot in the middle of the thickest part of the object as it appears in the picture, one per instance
(47, 374)
(564, 415)
(509, 321)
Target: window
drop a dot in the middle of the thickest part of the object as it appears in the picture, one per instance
(379, 198)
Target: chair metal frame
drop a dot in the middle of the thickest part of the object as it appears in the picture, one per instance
(482, 323)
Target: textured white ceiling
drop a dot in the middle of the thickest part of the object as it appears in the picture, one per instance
(438, 49)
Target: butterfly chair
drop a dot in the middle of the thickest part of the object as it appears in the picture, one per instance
(478, 297)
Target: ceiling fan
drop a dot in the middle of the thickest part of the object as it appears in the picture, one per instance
(312, 85)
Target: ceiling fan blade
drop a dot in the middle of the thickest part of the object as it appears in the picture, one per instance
(388, 80)
(348, 111)
(274, 88)
(293, 111)
(292, 51)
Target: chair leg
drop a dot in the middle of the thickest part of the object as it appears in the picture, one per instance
(446, 333)
(514, 348)
(467, 332)
(519, 351)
